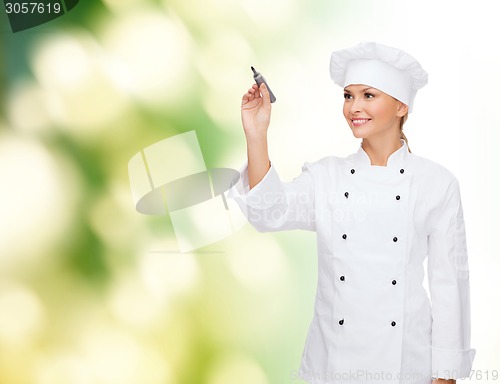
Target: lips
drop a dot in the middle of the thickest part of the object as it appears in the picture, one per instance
(359, 122)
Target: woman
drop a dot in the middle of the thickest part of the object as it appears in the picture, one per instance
(378, 214)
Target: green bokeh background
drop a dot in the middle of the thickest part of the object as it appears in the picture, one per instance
(93, 292)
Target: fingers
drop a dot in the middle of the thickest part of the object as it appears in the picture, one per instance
(266, 98)
(254, 91)
(251, 94)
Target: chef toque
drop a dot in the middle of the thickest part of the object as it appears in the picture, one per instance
(388, 69)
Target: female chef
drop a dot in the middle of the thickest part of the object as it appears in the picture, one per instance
(378, 214)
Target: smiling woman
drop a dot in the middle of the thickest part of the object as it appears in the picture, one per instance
(376, 117)
(406, 209)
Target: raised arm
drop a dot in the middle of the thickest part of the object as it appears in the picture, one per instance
(269, 203)
(255, 116)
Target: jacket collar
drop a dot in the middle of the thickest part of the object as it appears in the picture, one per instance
(397, 157)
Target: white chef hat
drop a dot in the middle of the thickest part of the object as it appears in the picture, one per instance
(388, 69)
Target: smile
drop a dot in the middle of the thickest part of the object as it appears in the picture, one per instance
(359, 122)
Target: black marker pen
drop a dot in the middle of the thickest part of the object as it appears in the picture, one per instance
(259, 79)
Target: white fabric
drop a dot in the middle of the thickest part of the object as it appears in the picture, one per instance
(381, 260)
(388, 69)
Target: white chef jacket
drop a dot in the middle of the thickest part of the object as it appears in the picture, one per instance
(373, 321)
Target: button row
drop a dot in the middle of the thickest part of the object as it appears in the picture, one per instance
(342, 278)
(341, 322)
(353, 171)
(395, 239)
(346, 194)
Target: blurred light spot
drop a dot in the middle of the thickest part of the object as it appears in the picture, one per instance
(204, 15)
(272, 15)
(64, 61)
(28, 97)
(227, 79)
(258, 264)
(75, 75)
(224, 107)
(225, 58)
(36, 199)
(108, 214)
(236, 369)
(115, 357)
(21, 314)
(133, 304)
(62, 367)
(116, 71)
(166, 275)
(153, 51)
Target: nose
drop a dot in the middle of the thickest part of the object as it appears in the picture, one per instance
(356, 105)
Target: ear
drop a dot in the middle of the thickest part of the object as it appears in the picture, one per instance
(402, 109)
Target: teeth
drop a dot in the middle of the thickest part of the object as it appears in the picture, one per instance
(360, 121)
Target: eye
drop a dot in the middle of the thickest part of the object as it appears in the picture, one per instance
(347, 96)
(369, 95)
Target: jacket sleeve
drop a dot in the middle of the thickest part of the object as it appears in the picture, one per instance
(448, 274)
(274, 205)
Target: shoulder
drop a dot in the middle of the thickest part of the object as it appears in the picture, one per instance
(431, 173)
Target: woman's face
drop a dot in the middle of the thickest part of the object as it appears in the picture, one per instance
(370, 112)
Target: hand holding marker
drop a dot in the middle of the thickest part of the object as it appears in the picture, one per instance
(259, 79)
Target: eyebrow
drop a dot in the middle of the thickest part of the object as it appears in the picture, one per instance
(364, 90)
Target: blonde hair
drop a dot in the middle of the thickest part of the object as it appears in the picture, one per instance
(403, 136)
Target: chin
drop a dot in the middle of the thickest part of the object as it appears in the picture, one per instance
(357, 134)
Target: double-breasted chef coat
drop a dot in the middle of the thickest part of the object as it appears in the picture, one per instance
(373, 321)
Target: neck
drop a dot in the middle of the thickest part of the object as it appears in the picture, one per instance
(379, 150)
